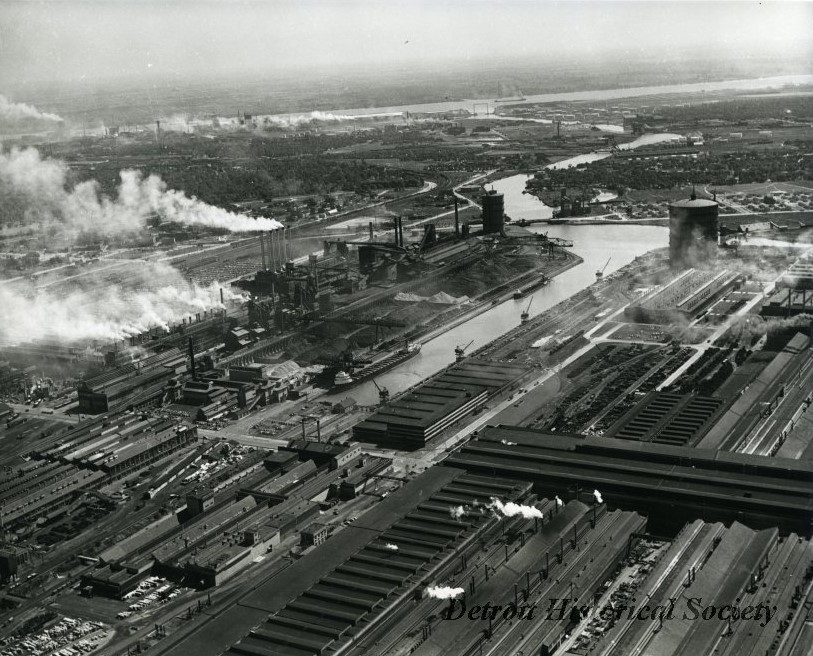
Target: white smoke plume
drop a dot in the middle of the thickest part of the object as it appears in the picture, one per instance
(151, 295)
(299, 120)
(457, 512)
(512, 509)
(559, 502)
(597, 496)
(40, 199)
(444, 592)
(12, 111)
(391, 546)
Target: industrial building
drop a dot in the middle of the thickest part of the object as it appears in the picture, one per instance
(365, 590)
(693, 231)
(332, 456)
(760, 397)
(684, 297)
(788, 303)
(412, 420)
(131, 385)
(668, 418)
(493, 212)
(222, 531)
(672, 484)
(725, 567)
(799, 275)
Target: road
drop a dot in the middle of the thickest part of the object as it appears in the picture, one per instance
(700, 349)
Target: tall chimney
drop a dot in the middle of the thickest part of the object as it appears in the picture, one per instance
(221, 296)
(262, 252)
(371, 230)
(192, 358)
(271, 256)
(456, 219)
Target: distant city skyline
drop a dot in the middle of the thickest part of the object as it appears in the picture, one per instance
(94, 39)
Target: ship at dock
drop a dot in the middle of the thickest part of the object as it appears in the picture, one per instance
(527, 289)
(347, 378)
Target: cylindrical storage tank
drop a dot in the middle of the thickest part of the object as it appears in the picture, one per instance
(493, 212)
(693, 232)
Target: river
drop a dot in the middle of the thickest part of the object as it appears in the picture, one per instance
(597, 95)
(593, 243)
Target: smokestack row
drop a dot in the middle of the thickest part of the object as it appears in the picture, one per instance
(399, 231)
(277, 251)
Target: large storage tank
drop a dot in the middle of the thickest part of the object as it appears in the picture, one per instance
(493, 212)
(693, 231)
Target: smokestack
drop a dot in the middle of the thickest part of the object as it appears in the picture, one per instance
(221, 296)
(192, 358)
(271, 256)
(401, 232)
(262, 252)
(371, 230)
(456, 219)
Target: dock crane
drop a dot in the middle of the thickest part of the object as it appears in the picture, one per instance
(383, 393)
(460, 351)
(526, 313)
(600, 272)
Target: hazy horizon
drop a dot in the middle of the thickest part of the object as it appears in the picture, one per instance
(95, 40)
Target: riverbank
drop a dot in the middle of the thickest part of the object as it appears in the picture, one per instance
(504, 293)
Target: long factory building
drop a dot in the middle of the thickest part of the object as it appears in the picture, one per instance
(365, 591)
(217, 535)
(723, 567)
(335, 594)
(684, 296)
(85, 459)
(413, 419)
(672, 484)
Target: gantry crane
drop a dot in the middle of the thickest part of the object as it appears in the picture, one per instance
(460, 351)
(526, 313)
(600, 272)
(383, 393)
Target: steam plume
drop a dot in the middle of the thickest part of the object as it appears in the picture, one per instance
(298, 120)
(512, 509)
(457, 512)
(151, 295)
(12, 111)
(597, 496)
(444, 592)
(391, 546)
(747, 329)
(559, 502)
(38, 196)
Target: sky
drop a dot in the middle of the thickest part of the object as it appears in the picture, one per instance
(67, 40)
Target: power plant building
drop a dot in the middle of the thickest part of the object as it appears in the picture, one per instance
(493, 212)
(693, 231)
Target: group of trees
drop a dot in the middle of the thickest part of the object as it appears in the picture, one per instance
(769, 108)
(674, 171)
(221, 183)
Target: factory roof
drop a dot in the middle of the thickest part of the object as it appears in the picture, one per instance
(759, 491)
(355, 570)
(353, 576)
(204, 525)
